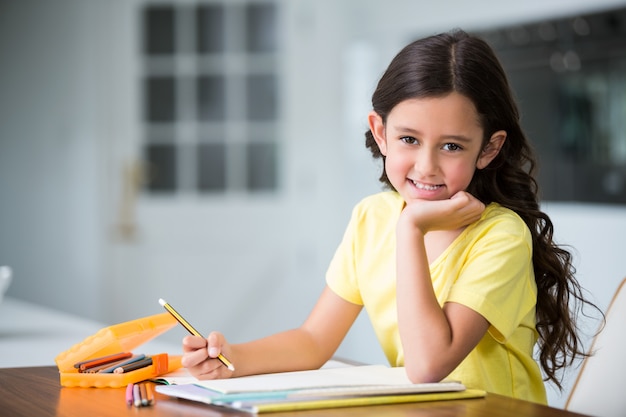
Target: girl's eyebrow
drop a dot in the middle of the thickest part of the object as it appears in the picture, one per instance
(411, 131)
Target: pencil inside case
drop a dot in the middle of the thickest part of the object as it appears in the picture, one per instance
(161, 364)
(122, 337)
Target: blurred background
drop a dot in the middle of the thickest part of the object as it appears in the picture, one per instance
(210, 152)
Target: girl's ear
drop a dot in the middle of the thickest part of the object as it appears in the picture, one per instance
(491, 150)
(377, 128)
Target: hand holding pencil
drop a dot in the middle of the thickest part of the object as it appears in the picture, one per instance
(193, 331)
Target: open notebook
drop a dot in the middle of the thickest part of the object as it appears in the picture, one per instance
(322, 388)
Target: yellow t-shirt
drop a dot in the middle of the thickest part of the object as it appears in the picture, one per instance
(487, 268)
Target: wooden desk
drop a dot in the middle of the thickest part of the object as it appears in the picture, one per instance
(35, 391)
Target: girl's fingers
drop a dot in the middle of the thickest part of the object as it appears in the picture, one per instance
(191, 343)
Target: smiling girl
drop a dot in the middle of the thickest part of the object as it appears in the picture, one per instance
(455, 264)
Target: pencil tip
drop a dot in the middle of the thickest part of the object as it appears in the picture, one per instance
(162, 302)
(231, 368)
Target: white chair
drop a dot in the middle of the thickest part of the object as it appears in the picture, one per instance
(599, 389)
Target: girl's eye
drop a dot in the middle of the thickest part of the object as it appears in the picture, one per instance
(451, 147)
(408, 139)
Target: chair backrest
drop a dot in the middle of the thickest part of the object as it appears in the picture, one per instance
(599, 389)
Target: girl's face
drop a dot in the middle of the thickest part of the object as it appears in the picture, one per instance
(432, 146)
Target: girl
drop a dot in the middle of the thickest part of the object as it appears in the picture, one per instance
(455, 265)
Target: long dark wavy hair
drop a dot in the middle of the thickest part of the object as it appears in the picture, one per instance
(458, 62)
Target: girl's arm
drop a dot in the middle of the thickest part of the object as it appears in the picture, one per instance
(306, 347)
(435, 340)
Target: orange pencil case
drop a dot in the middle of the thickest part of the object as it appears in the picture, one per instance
(122, 337)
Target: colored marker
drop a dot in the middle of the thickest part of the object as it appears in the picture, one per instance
(142, 363)
(111, 369)
(150, 393)
(136, 395)
(129, 394)
(92, 363)
(143, 393)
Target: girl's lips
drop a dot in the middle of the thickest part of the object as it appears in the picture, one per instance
(426, 187)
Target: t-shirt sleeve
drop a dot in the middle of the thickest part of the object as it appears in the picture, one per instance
(497, 280)
(341, 276)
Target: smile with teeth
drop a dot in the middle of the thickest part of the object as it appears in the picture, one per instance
(426, 187)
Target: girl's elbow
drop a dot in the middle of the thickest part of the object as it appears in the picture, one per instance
(424, 374)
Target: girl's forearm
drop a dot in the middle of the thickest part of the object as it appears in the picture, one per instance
(424, 329)
(286, 351)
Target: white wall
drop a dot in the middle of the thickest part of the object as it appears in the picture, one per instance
(49, 152)
(55, 126)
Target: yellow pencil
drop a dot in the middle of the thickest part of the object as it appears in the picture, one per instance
(191, 330)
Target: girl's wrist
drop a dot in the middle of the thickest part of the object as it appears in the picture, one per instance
(409, 226)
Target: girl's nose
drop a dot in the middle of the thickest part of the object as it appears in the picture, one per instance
(426, 163)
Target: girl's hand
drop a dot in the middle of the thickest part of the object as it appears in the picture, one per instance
(200, 356)
(459, 211)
